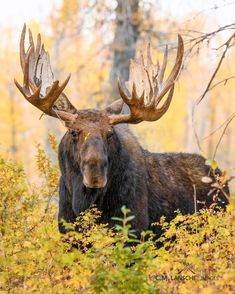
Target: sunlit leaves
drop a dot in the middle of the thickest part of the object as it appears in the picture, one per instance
(34, 257)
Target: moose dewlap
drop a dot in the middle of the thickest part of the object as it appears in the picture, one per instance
(101, 161)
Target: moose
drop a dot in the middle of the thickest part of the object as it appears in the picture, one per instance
(102, 162)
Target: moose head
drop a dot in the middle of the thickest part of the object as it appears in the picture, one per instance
(92, 131)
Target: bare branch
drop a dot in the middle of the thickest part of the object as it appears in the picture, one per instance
(224, 81)
(220, 127)
(221, 137)
(209, 86)
(227, 46)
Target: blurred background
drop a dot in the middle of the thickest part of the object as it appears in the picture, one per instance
(94, 41)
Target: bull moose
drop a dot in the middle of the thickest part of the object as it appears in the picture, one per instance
(101, 161)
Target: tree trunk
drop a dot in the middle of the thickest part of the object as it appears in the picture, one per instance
(124, 43)
(212, 126)
(13, 148)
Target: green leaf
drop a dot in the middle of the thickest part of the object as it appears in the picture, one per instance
(118, 228)
(125, 210)
(212, 163)
(117, 219)
(130, 218)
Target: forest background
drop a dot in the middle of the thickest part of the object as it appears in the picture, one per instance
(94, 41)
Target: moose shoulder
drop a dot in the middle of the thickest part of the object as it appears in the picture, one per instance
(101, 161)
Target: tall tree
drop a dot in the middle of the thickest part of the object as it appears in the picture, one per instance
(13, 147)
(125, 39)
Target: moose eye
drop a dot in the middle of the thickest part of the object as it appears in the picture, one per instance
(74, 134)
(110, 134)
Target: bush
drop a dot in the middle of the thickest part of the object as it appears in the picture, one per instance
(197, 256)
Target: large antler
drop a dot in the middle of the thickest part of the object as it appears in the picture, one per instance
(147, 88)
(39, 86)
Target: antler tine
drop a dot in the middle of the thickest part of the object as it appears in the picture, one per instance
(26, 69)
(32, 98)
(175, 71)
(134, 94)
(39, 86)
(31, 42)
(167, 103)
(22, 48)
(32, 55)
(149, 79)
(45, 104)
(55, 92)
(122, 94)
(162, 70)
(25, 90)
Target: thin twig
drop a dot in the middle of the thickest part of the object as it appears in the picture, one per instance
(220, 127)
(195, 198)
(208, 87)
(194, 129)
(214, 7)
(227, 46)
(224, 81)
(221, 137)
(49, 200)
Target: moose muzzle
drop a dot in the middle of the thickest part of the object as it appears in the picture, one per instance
(94, 164)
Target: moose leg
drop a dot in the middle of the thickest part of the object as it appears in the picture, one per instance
(66, 213)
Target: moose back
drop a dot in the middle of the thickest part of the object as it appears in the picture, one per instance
(101, 161)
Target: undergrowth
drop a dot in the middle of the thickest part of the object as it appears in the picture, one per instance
(197, 255)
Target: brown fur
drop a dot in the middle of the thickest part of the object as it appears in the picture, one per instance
(94, 154)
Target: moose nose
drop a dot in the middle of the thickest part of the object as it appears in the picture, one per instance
(95, 184)
(94, 174)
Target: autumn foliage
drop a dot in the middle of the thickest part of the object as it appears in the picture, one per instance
(197, 254)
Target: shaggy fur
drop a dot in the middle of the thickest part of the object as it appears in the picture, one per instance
(150, 184)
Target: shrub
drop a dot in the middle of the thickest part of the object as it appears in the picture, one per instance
(197, 255)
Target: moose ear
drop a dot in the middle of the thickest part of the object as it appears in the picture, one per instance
(68, 118)
(115, 107)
